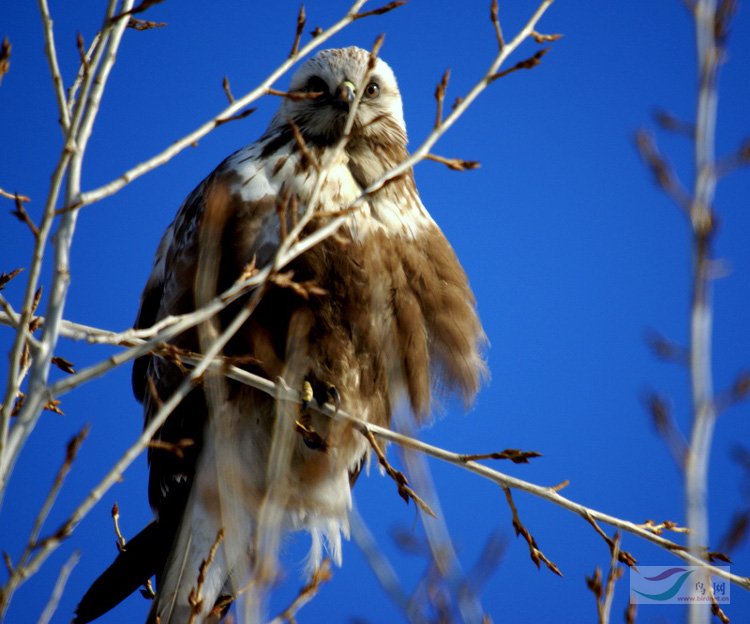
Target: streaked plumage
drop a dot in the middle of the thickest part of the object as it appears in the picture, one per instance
(391, 319)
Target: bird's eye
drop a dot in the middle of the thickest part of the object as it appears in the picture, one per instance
(372, 90)
(316, 85)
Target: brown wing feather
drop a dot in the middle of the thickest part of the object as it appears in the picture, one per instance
(456, 337)
(171, 291)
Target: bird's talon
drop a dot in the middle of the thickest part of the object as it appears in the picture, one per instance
(311, 438)
(334, 396)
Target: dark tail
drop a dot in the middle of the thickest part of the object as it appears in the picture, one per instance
(143, 557)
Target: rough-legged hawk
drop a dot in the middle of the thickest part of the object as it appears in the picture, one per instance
(373, 318)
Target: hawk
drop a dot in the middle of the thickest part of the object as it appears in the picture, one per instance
(375, 318)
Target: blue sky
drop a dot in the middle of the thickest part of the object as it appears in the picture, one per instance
(571, 250)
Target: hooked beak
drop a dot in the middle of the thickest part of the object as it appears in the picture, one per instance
(345, 94)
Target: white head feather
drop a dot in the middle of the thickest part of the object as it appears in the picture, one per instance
(329, 71)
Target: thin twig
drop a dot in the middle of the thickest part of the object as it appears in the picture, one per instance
(82, 55)
(176, 448)
(398, 477)
(661, 416)
(605, 594)
(295, 96)
(14, 196)
(615, 573)
(667, 121)
(542, 38)
(237, 117)
(227, 89)
(195, 599)
(535, 553)
(321, 575)
(495, 19)
(6, 277)
(59, 588)
(301, 20)
(121, 541)
(141, 25)
(82, 74)
(51, 54)
(133, 10)
(455, 164)
(384, 9)
(23, 216)
(666, 525)
(716, 610)
(528, 63)
(663, 174)
(667, 350)
(440, 97)
(622, 555)
(517, 456)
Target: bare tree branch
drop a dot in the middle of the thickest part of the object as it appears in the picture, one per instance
(280, 390)
(51, 53)
(702, 221)
(57, 591)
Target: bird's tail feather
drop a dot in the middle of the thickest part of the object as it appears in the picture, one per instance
(143, 556)
(196, 578)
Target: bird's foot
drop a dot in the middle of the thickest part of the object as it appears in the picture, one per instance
(312, 439)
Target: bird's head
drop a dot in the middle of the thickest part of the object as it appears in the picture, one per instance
(337, 75)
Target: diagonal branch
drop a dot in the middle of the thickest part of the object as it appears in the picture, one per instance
(321, 575)
(59, 588)
(551, 494)
(51, 54)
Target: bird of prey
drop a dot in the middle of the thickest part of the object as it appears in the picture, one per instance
(375, 318)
